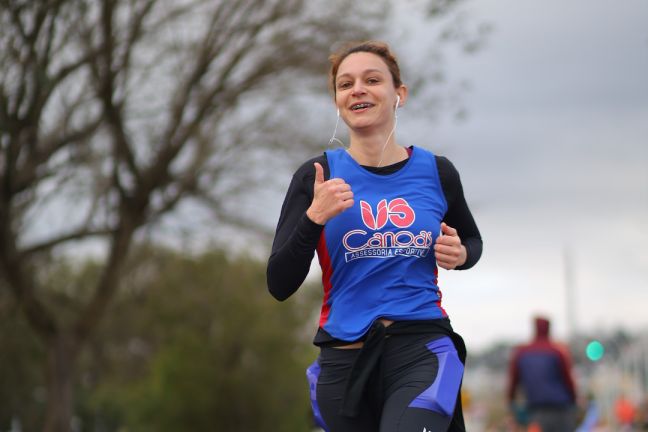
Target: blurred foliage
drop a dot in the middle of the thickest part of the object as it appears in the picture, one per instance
(21, 373)
(191, 343)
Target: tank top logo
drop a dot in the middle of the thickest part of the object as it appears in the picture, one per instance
(398, 212)
(387, 244)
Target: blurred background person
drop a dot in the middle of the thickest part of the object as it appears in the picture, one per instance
(625, 413)
(542, 369)
(642, 415)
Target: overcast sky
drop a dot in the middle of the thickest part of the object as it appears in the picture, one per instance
(554, 162)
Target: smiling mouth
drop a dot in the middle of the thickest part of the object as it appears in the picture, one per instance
(361, 106)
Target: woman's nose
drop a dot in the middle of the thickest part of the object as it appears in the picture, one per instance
(358, 88)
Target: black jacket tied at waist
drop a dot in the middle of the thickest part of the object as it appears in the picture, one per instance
(374, 342)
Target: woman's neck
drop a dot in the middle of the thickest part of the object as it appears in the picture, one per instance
(376, 150)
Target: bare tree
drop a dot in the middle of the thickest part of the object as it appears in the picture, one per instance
(115, 112)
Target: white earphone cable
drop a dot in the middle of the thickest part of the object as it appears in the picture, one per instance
(333, 137)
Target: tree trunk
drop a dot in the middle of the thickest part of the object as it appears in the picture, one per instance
(61, 358)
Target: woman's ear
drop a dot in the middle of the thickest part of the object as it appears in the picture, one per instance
(401, 93)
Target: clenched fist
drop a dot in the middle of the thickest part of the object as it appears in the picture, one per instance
(448, 250)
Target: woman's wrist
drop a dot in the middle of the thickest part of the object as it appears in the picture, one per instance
(463, 256)
(315, 216)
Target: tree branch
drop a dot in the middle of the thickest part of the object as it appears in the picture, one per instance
(69, 68)
(28, 174)
(106, 90)
(207, 101)
(135, 33)
(22, 286)
(222, 24)
(80, 234)
(215, 205)
(109, 279)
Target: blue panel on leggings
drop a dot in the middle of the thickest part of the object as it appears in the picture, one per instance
(312, 373)
(441, 396)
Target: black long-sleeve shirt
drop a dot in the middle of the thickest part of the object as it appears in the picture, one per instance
(297, 236)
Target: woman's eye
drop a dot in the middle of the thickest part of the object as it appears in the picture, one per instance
(344, 85)
(373, 80)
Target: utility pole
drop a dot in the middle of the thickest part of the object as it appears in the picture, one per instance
(570, 303)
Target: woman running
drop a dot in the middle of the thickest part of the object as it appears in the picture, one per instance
(382, 217)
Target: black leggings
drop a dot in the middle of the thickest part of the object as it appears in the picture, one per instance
(414, 388)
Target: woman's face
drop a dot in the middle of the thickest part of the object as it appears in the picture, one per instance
(364, 91)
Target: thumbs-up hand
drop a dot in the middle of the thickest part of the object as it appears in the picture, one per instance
(330, 197)
(448, 250)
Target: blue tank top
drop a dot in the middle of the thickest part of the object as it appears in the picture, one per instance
(377, 258)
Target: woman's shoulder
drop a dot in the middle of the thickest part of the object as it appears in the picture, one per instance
(448, 176)
(445, 167)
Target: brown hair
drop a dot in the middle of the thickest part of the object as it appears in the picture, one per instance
(378, 48)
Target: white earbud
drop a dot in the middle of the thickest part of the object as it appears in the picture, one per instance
(397, 101)
(338, 112)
